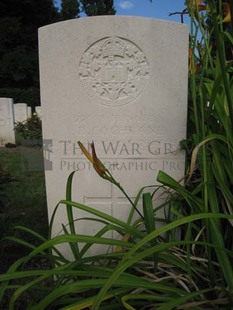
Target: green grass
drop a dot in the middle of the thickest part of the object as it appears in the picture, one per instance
(24, 198)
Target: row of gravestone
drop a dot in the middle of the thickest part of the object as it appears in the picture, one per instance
(10, 114)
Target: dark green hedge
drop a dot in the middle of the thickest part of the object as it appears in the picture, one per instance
(31, 96)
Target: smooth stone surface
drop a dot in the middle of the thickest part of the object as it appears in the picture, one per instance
(7, 134)
(21, 112)
(29, 112)
(38, 111)
(122, 83)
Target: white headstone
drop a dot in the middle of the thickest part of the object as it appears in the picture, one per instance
(38, 111)
(21, 112)
(122, 83)
(7, 134)
(29, 111)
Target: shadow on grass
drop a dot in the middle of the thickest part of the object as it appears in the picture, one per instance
(23, 199)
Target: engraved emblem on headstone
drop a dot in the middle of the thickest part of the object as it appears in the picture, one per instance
(114, 71)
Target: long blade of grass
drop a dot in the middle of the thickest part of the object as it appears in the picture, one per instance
(124, 282)
(79, 238)
(31, 232)
(136, 201)
(104, 216)
(73, 246)
(87, 302)
(21, 242)
(148, 213)
(129, 259)
(179, 301)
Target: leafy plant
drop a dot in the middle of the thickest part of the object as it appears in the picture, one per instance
(146, 269)
(31, 129)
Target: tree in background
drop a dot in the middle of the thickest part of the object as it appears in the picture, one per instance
(69, 9)
(100, 7)
(19, 23)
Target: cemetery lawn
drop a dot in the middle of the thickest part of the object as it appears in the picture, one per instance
(22, 200)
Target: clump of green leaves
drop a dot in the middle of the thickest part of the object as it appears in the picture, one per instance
(31, 129)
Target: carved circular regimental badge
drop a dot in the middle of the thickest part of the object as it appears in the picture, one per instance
(114, 71)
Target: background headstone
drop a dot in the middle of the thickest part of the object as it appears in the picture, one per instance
(122, 83)
(7, 134)
(38, 111)
(29, 112)
(21, 112)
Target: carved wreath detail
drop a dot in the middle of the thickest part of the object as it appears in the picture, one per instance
(114, 71)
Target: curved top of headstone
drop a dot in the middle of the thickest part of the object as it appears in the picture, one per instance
(113, 18)
(113, 64)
